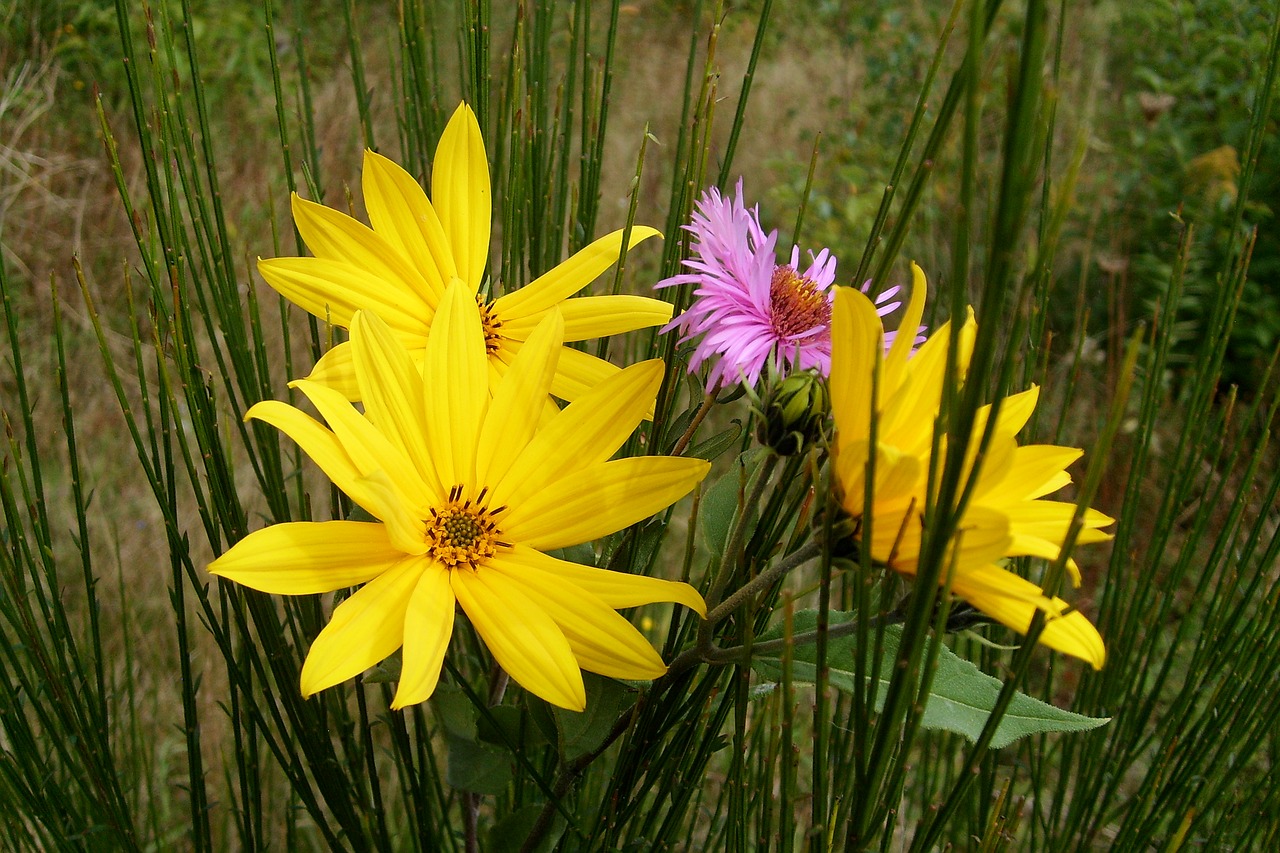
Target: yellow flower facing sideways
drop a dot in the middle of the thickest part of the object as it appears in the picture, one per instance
(470, 489)
(402, 266)
(1005, 515)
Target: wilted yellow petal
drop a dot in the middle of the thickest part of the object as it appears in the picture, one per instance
(304, 557)
(524, 640)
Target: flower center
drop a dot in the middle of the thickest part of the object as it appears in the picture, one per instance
(796, 304)
(491, 323)
(463, 532)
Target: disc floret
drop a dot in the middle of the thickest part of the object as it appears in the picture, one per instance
(464, 533)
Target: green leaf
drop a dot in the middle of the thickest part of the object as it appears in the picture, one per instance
(960, 698)
(509, 724)
(509, 833)
(456, 713)
(720, 502)
(583, 732)
(477, 767)
(712, 447)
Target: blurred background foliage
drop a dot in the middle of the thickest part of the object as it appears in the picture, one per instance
(1159, 119)
(1157, 125)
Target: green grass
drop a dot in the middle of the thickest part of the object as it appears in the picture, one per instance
(1024, 154)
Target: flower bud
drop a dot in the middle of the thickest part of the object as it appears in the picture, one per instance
(794, 413)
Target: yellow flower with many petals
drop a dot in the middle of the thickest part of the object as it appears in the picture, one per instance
(402, 266)
(470, 489)
(1005, 515)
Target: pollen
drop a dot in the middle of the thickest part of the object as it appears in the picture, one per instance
(491, 323)
(464, 532)
(796, 304)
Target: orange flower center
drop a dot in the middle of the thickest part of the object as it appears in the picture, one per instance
(463, 533)
(491, 323)
(796, 304)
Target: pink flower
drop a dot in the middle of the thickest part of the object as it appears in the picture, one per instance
(746, 306)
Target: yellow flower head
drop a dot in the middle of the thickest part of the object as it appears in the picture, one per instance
(1004, 517)
(402, 266)
(469, 489)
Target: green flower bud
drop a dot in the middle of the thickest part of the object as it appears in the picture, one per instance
(794, 413)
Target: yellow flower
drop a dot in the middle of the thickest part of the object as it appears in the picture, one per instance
(402, 266)
(1004, 517)
(470, 489)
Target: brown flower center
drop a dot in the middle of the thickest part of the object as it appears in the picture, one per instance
(463, 533)
(796, 304)
(491, 323)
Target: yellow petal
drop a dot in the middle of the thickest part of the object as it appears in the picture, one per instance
(399, 212)
(460, 191)
(588, 317)
(335, 290)
(364, 629)
(1013, 600)
(1050, 520)
(303, 557)
(368, 448)
(456, 381)
(324, 449)
(519, 396)
(899, 477)
(911, 404)
(602, 641)
(428, 624)
(405, 527)
(334, 236)
(857, 340)
(568, 277)
(587, 432)
(392, 391)
(601, 499)
(335, 370)
(1016, 410)
(578, 372)
(524, 640)
(615, 589)
(1038, 469)
(905, 339)
(981, 536)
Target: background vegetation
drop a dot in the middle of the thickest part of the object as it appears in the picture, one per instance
(126, 203)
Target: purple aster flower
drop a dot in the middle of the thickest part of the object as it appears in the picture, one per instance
(746, 306)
